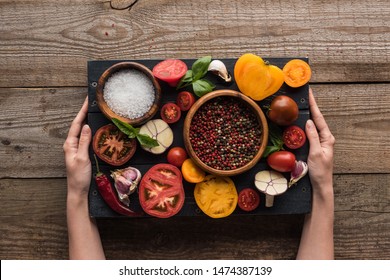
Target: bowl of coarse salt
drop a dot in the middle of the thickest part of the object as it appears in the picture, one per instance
(129, 92)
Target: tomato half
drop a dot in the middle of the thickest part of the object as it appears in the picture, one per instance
(294, 137)
(282, 161)
(170, 112)
(248, 199)
(296, 73)
(161, 192)
(191, 172)
(176, 156)
(216, 196)
(170, 71)
(185, 100)
(283, 110)
(112, 145)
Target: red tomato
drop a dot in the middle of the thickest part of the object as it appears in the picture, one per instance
(113, 146)
(294, 137)
(161, 192)
(283, 110)
(176, 156)
(185, 100)
(282, 161)
(170, 71)
(248, 199)
(170, 112)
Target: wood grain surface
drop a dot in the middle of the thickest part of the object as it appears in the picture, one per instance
(44, 49)
(53, 40)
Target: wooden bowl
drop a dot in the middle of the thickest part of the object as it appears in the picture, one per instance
(260, 118)
(108, 112)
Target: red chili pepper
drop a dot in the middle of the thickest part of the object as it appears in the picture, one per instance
(107, 192)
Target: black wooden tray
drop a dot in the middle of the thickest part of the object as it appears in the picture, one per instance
(296, 200)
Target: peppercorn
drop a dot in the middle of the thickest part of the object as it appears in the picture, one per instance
(224, 140)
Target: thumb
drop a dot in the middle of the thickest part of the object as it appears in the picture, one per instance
(85, 139)
(312, 135)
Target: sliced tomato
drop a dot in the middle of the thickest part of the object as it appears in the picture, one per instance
(161, 192)
(185, 100)
(170, 71)
(170, 112)
(112, 145)
(248, 199)
(294, 137)
(216, 196)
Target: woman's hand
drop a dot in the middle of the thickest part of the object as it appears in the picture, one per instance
(78, 165)
(320, 160)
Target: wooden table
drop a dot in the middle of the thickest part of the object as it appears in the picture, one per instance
(44, 49)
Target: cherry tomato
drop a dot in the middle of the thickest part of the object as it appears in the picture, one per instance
(282, 161)
(185, 100)
(248, 199)
(170, 112)
(176, 156)
(283, 110)
(170, 71)
(161, 192)
(112, 145)
(191, 172)
(294, 137)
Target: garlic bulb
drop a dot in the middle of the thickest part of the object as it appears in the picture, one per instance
(218, 67)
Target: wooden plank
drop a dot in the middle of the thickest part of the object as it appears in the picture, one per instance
(54, 41)
(34, 227)
(35, 124)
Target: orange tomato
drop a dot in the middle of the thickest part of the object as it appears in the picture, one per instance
(216, 196)
(191, 172)
(256, 78)
(296, 73)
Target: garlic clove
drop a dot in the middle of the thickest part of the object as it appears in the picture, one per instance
(300, 170)
(218, 67)
(126, 182)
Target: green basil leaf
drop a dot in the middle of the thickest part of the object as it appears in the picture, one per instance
(269, 150)
(147, 141)
(276, 135)
(185, 80)
(200, 67)
(126, 128)
(201, 87)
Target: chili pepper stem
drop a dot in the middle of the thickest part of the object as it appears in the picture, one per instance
(97, 166)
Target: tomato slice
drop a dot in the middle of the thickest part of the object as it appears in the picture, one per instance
(170, 112)
(161, 192)
(294, 137)
(185, 100)
(191, 172)
(216, 196)
(248, 199)
(296, 73)
(170, 71)
(112, 145)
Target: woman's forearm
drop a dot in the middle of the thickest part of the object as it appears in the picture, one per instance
(317, 234)
(84, 238)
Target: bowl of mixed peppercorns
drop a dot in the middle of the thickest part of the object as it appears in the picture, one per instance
(225, 133)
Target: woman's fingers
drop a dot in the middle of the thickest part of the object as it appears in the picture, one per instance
(77, 123)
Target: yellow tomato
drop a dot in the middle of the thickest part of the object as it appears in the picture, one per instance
(216, 196)
(256, 78)
(191, 172)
